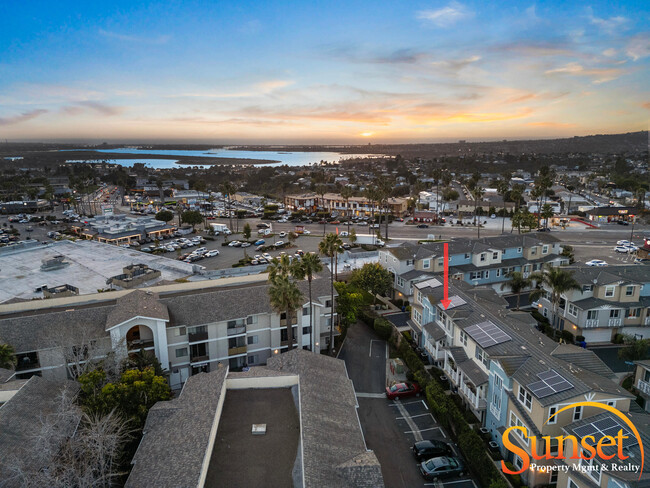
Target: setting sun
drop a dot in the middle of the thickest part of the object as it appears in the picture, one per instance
(366, 134)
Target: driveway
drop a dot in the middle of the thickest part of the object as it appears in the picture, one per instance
(390, 427)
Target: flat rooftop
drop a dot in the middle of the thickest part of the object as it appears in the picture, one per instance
(240, 458)
(91, 264)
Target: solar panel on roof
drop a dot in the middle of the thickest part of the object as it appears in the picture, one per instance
(456, 301)
(550, 382)
(487, 334)
(606, 426)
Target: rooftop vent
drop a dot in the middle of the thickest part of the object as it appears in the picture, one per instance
(259, 429)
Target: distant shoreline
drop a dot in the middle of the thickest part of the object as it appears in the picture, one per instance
(217, 160)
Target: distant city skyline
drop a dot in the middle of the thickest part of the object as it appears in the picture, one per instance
(286, 72)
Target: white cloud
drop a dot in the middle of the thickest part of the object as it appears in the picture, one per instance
(638, 47)
(610, 25)
(611, 52)
(446, 16)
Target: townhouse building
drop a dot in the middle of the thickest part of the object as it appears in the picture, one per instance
(485, 261)
(612, 300)
(509, 374)
(190, 329)
(642, 381)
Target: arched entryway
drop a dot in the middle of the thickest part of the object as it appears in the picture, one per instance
(139, 337)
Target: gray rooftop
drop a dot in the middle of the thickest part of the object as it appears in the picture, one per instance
(177, 434)
(137, 303)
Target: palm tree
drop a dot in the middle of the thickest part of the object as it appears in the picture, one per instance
(280, 268)
(321, 190)
(346, 194)
(285, 296)
(477, 193)
(557, 281)
(517, 284)
(371, 193)
(329, 247)
(385, 189)
(227, 189)
(7, 356)
(307, 267)
(502, 188)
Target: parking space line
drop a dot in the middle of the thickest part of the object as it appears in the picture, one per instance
(371, 341)
(425, 404)
(421, 430)
(414, 416)
(407, 403)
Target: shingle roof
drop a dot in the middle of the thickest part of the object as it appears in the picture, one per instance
(331, 433)
(177, 433)
(138, 302)
(21, 421)
(593, 302)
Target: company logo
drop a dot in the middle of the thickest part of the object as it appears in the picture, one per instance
(588, 448)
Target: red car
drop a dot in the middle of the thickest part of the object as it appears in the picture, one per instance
(402, 390)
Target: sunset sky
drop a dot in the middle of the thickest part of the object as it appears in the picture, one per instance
(339, 72)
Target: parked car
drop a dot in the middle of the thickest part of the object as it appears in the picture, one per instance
(623, 249)
(259, 242)
(212, 253)
(282, 234)
(234, 244)
(267, 256)
(544, 229)
(344, 233)
(429, 449)
(441, 467)
(306, 232)
(623, 243)
(622, 222)
(279, 243)
(402, 390)
(596, 262)
(245, 244)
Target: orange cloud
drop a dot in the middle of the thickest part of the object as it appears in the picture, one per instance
(646, 105)
(550, 124)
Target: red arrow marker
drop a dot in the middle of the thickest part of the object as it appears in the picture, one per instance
(446, 302)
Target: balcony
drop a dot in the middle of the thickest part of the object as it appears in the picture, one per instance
(198, 336)
(614, 322)
(234, 351)
(473, 397)
(496, 412)
(236, 330)
(643, 387)
(591, 323)
(138, 344)
(199, 359)
(27, 361)
(646, 321)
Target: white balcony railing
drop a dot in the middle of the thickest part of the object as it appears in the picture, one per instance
(591, 323)
(643, 386)
(614, 322)
(496, 412)
(646, 321)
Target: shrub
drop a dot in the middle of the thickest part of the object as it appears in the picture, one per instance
(383, 328)
(539, 317)
(407, 335)
(567, 336)
(580, 338)
(619, 339)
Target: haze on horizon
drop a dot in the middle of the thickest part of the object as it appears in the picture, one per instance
(279, 72)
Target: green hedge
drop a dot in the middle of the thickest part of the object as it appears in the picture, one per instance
(383, 328)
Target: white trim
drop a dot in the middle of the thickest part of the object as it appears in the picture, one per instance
(134, 318)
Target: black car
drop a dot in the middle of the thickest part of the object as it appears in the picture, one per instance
(441, 467)
(623, 222)
(423, 226)
(429, 449)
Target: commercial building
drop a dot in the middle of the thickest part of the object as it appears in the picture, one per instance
(612, 214)
(190, 327)
(121, 229)
(335, 203)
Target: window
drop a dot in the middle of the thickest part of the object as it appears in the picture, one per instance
(486, 274)
(554, 475)
(592, 466)
(328, 303)
(629, 290)
(482, 257)
(592, 315)
(441, 262)
(252, 340)
(283, 334)
(417, 316)
(517, 462)
(553, 445)
(587, 288)
(633, 313)
(544, 249)
(426, 263)
(251, 319)
(180, 331)
(463, 338)
(498, 272)
(614, 313)
(609, 291)
(516, 421)
(571, 484)
(306, 310)
(306, 330)
(519, 250)
(611, 403)
(181, 352)
(552, 411)
(400, 281)
(466, 255)
(572, 310)
(475, 275)
(533, 251)
(495, 255)
(577, 413)
(525, 398)
(482, 356)
(236, 323)
(252, 359)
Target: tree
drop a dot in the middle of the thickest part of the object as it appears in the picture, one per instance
(348, 303)
(285, 296)
(373, 278)
(228, 189)
(321, 190)
(556, 281)
(517, 284)
(547, 213)
(346, 194)
(7, 356)
(352, 237)
(635, 350)
(502, 188)
(246, 234)
(308, 265)
(192, 217)
(477, 193)
(165, 215)
(330, 247)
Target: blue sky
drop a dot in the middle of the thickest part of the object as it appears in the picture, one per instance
(331, 72)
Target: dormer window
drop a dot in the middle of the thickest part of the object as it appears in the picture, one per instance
(495, 255)
(629, 291)
(609, 291)
(482, 257)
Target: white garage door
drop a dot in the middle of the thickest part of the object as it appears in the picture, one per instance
(597, 335)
